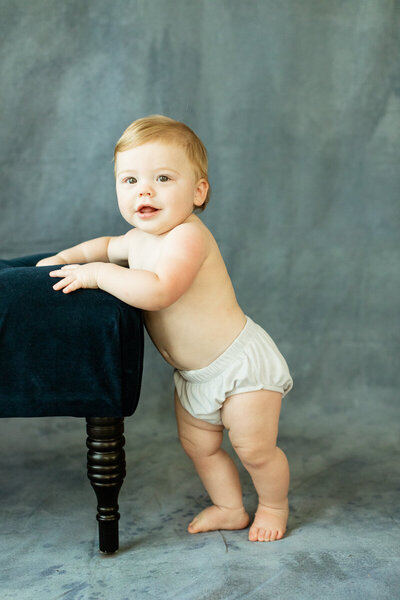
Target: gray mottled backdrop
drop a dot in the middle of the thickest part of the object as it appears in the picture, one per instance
(298, 104)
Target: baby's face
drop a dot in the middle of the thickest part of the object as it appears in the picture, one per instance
(159, 175)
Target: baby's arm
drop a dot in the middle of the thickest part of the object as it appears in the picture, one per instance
(183, 254)
(90, 251)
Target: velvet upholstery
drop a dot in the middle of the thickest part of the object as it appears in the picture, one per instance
(77, 354)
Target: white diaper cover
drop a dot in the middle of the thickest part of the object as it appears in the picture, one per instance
(252, 362)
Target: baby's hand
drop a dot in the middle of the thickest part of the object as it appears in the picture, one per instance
(77, 276)
(50, 260)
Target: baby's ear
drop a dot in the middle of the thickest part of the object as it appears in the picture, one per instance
(201, 192)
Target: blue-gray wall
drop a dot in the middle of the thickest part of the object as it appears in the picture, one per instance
(298, 105)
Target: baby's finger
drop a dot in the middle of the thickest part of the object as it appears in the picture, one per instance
(62, 283)
(75, 285)
(63, 271)
(59, 273)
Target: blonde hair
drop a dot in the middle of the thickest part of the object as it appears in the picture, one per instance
(165, 129)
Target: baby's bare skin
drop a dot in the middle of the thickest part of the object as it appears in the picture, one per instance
(173, 331)
(184, 341)
(192, 315)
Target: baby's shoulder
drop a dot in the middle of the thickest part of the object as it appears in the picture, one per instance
(212, 251)
(185, 239)
(132, 236)
(196, 226)
(132, 239)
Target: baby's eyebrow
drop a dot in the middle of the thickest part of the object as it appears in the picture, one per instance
(158, 169)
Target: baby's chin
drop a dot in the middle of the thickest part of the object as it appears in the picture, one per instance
(158, 228)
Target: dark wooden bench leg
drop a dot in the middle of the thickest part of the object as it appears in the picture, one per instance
(106, 471)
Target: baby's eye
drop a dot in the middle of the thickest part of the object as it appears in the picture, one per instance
(166, 178)
(130, 180)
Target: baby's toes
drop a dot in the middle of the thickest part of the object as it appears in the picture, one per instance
(273, 536)
(269, 535)
(261, 534)
(253, 534)
(192, 526)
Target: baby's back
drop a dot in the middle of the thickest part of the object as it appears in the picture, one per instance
(205, 320)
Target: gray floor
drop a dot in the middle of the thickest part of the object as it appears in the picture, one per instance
(343, 538)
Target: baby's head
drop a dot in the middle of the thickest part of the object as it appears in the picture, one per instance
(159, 128)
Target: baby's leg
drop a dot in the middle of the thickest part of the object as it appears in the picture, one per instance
(252, 420)
(202, 443)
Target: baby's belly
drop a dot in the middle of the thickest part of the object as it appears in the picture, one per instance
(193, 343)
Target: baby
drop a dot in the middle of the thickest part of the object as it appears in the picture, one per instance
(228, 372)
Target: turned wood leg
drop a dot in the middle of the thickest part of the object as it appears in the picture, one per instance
(106, 471)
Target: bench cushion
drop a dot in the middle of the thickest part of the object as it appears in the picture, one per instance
(77, 354)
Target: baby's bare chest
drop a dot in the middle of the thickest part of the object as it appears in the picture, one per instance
(144, 253)
(181, 331)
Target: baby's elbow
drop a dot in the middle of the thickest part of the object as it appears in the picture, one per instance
(161, 303)
(171, 291)
(166, 298)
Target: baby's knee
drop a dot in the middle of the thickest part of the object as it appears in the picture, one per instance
(201, 446)
(198, 438)
(255, 453)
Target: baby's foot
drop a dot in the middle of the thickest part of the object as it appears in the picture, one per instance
(215, 517)
(269, 523)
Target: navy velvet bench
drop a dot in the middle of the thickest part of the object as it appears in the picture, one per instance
(77, 354)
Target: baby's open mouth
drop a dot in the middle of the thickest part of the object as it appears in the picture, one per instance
(146, 209)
